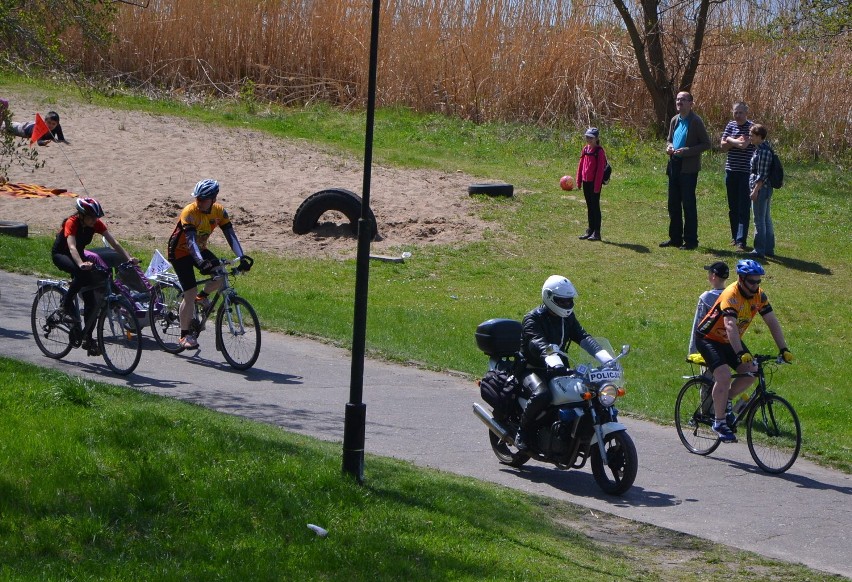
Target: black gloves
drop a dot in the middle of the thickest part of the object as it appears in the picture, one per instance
(206, 267)
(245, 263)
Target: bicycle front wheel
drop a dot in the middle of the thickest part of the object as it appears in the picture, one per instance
(694, 417)
(238, 333)
(50, 333)
(119, 336)
(774, 434)
(163, 316)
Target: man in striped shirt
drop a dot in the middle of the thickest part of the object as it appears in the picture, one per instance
(736, 142)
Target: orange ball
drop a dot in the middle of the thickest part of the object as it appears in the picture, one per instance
(566, 183)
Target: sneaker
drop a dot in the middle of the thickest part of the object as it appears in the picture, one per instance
(67, 318)
(740, 247)
(203, 302)
(723, 431)
(595, 237)
(188, 342)
(730, 417)
(585, 235)
(91, 347)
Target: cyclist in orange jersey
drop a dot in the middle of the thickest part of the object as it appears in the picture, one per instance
(719, 340)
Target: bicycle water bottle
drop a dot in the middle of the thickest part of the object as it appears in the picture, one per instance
(742, 402)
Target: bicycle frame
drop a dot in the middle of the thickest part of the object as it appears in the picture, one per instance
(109, 295)
(237, 327)
(772, 428)
(119, 332)
(225, 292)
(760, 389)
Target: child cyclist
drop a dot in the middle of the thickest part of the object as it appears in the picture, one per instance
(69, 255)
(188, 251)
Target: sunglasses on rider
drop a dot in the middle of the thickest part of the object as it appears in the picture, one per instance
(564, 302)
(753, 282)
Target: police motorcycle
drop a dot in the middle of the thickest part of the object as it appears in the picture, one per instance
(581, 421)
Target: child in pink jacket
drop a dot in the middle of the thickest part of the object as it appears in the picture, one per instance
(590, 173)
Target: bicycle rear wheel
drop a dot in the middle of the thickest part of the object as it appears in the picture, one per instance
(238, 333)
(694, 417)
(52, 336)
(163, 316)
(774, 434)
(119, 336)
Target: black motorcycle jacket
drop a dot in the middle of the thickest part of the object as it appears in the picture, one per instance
(541, 329)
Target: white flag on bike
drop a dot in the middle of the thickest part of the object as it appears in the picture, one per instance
(158, 265)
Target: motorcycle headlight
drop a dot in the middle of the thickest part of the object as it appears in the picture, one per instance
(608, 394)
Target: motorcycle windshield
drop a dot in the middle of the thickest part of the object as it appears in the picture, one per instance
(578, 356)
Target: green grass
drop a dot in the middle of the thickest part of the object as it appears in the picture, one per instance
(101, 482)
(426, 309)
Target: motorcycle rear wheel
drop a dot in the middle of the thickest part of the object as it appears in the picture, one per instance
(506, 455)
(622, 463)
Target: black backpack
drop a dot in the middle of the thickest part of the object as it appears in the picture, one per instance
(776, 172)
(607, 169)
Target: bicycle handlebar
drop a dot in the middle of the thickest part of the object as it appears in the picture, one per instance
(763, 358)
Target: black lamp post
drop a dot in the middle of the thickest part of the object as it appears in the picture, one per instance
(356, 411)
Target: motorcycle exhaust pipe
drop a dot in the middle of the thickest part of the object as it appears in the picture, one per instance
(492, 424)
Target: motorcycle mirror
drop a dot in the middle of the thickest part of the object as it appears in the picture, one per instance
(625, 349)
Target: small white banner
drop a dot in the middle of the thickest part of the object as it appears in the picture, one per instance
(158, 265)
(604, 375)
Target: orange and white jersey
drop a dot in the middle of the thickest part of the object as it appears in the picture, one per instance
(732, 302)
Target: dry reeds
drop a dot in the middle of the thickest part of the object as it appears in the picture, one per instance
(541, 61)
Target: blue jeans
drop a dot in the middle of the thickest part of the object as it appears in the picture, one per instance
(683, 208)
(739, 205)
(764, 231)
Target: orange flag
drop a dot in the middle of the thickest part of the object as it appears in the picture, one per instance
(39, 130)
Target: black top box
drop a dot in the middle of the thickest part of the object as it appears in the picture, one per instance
(499, 338)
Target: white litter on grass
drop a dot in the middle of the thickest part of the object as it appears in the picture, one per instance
(406, 255)
(321, 532)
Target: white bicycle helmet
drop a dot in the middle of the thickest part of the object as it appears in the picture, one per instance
(558, 295)
(206, 189)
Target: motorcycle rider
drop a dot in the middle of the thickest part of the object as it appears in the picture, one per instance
(552, 323)
(719, 339)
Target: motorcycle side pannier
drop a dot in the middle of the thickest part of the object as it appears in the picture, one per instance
(499, 389)
(499, 338)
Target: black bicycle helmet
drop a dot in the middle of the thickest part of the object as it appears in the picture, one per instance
(89, 207)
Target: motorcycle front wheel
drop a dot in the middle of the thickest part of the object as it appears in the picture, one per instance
(622, 463)
(508, 456)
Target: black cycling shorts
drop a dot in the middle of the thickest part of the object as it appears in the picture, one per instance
(717, 354)
(185, 268)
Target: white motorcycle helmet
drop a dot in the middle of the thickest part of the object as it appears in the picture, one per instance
(558, 295)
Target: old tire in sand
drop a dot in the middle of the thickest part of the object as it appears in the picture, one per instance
(338, 199)
(18, 229)
(499, 189)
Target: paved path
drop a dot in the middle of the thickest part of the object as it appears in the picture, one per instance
(802, 516)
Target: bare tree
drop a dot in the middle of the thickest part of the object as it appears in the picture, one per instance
(667, 36)
(667, 65)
